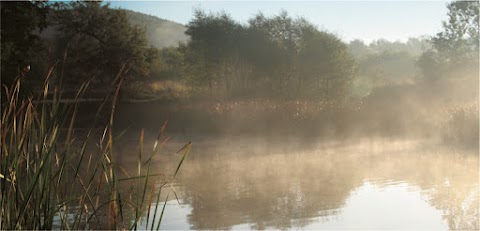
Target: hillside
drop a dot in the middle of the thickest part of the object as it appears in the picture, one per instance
(160, 32)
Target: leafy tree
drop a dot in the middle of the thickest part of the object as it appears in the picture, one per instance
(416, 46)
(359, 49)
(170, 64)
(459, 39)
(20, 44)
(278, 56)
(213, 44)
(297, 60)
(97, 41)
(325, 62)
(456, 47)
(386, 63)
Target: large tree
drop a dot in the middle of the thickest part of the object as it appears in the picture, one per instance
(272, 56)
(214, 45)
(300, 60)
(459, 38)
(457, 46)
(20, 43)
(96, 41)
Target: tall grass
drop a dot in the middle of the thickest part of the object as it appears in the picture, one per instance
(462, 126)
(50, 178)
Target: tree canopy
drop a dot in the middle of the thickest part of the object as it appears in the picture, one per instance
(277, 56)
(457, 46)
(20, 43)
(98, 39)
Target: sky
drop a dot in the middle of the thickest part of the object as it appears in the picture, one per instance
(365, 20)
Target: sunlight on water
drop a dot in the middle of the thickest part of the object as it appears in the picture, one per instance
(175, 217)
(374, 184)
(378, 206)
(395, 206)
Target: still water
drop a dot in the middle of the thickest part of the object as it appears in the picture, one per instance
(267, 183)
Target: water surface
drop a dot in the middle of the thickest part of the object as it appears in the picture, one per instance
(267, 183)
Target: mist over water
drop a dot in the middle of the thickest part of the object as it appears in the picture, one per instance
(403, 157)
(114, 119)
(371, 183)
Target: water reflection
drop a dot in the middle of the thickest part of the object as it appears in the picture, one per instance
(393, 206)
(258, 185)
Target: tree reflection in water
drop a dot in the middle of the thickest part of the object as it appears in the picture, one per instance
(267, 185)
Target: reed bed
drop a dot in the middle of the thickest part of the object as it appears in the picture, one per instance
(462, 125)
(51, 179)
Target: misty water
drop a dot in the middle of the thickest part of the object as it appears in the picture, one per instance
(288, 183)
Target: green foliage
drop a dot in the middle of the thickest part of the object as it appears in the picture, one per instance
(21, 45)
(359, 49)
(413, 47)
(383, 63)
(170, 64)
(278, 56)
(456, 47)
(429, 62)
(96, 41)
(325, 64)
(459, 40)
(388, 67)
(214, 40)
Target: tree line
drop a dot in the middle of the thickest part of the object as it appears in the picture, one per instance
(275, 56)
(278, 56)
(82, 40)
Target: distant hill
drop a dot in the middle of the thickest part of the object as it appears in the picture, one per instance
(160, 32)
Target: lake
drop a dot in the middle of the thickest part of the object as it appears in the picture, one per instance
(287, 183)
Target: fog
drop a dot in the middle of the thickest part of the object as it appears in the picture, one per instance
(114, 119)
(286, 183)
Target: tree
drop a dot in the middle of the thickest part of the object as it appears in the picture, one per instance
(326, 64)
(359, 49)
(295, 59)
(457, 46)
(213, 47)
(97, 41)
(20, 44)
(278, 56)
(459, 39)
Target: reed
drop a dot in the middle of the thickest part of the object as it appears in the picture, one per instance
(50, 178)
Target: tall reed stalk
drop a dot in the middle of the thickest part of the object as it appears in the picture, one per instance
(49, 180)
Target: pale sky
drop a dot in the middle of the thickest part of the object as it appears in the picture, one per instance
(366, 20)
